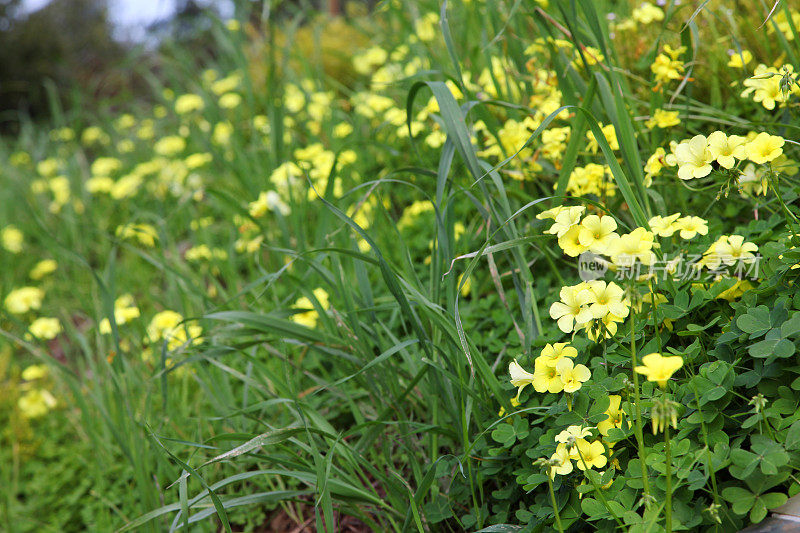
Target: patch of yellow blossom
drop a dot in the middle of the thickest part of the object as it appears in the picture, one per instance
(125, 310)
(12, 238)
(144, 233)
(768, 86)
(45, 328)
(663, 119)
(20, 301)
(308, 315)
(169, 326)
(659, 368)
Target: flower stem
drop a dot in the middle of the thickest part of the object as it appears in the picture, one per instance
(668, 502)
(555, 505)
(638, 416)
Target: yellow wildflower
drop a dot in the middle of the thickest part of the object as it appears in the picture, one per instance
(553, 353)
(309, 316)
(563, 460)
(45, 328)
(36, 403)
(764, 148)
(614, 413)
(664, 226)
(520, 377)
(572, 376)
(597, 233)
(12, 238)
(659, 368)
(693, 158)
(573, 309)
(690, 226)
(24, 299)
(739, 59)
(663, 119)
(546, 378)
(726, 149)
(592, 455)
(607, 298)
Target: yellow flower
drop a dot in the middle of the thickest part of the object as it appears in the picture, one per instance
(12, 239)
(520, 377)
(607, 298)
(124, 311)
(690, 226)
(610, 135)
(664, 226)
(563, 459)
(739, 59)
(169, 326)
(647, 13)
(734, 249)
(654, 165)
(576, 433)
(170, 145)
(425, 27)
(36, 403)
(230, 100)
(546, 378)
(614, 413)
(34, 372)
(765, 86)
(637, 244)
(552, 213)
(188, 103)
(666, 68)
(572, 376)
(592, 455)
(267, 201)
(144, 233)
(726, 150)
(24, 299)
(764, 148)
(659, 368)
(565, 219)
(45, 328)
(663, 119)
(570, 242)
(693, 158)
(366, 61)
(605, 326)
(553, 353)
(597, 233)
(573, 309)
(514, 403)
(309, 316)
(42, 269)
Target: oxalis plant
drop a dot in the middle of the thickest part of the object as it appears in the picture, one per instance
(671, 403)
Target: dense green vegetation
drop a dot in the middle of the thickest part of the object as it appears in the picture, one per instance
(485, 266)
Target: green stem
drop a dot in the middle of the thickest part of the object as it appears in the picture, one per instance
(553, 501)
(598, 489)
(638, 416)
(668, 453)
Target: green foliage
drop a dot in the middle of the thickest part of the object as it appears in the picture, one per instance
(294, 288)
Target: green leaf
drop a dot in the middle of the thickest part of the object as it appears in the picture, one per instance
(758, 512)
(791, 327)
(741, 499)
(756, 321)
(773, 499)
(593, 508)
(505, 435)
(775, 348)
(792, 441)
(747, 461)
